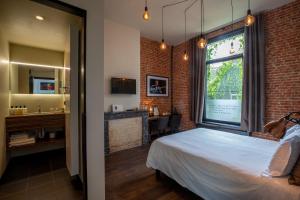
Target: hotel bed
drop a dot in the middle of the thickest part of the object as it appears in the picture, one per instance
(220, 165)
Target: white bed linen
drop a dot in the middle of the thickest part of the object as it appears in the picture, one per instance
(218, 165)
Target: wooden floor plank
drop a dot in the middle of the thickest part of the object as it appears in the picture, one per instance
(128, 178)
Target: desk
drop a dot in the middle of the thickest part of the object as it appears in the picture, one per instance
(158, 125)
(171, 126)
(157, 117)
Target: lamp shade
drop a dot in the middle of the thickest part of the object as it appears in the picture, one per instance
(185, 56)
(202, 42)
(232, 50)
(146, 15)
(250, 19)
(163, 45)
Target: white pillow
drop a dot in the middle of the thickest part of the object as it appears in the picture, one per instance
(291, 130)
(285, 156)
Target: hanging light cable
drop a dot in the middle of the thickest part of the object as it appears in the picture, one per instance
(163, 45)
(146, 15)
(185, 54)
(232, 51)
(202, 42)
(250, 19)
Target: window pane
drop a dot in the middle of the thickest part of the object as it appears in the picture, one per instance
(224, 91)
(221, 48)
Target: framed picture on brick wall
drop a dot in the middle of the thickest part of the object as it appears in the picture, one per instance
(157, 86)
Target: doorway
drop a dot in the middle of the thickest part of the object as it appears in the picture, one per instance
(43, 53)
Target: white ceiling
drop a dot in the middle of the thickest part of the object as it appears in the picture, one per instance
(217, 14)
(18, 24)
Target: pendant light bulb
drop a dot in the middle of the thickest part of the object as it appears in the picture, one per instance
(232, 51)
(202, 42)
(146, 15)
(185, 56)
(163, 45)
(250, 19)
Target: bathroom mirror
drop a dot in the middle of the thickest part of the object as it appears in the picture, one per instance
(37, 80)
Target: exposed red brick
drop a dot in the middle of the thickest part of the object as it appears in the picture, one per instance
(155, 62)
(181, 87)
(282, 64)
(282, 61)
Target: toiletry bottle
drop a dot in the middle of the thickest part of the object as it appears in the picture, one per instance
(13, 110)
(22, 110)
(19, 110)
(25, 110)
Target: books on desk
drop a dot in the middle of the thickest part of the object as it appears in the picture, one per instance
(21, 139)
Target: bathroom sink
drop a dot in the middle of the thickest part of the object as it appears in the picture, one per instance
(40, 113)
(46, 113)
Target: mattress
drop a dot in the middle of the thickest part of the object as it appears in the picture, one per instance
(218, 165)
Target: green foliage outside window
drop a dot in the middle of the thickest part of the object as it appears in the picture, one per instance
(224, 79)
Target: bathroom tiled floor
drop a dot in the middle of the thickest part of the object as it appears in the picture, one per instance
(40, 176)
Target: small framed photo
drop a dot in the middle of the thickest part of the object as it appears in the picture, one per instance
(157, 86)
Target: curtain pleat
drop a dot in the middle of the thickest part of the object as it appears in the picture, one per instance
(197, 70)
(253, 104)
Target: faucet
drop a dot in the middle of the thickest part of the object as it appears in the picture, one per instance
(39, 109)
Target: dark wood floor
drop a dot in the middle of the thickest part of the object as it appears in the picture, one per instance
(42, 176)
(128, 178)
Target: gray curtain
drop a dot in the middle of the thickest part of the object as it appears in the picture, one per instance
(253, 105)
(197, 72)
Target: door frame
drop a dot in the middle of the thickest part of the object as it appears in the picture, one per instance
(81, 13)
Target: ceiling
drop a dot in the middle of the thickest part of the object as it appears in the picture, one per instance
(217, 14)
(18, 24)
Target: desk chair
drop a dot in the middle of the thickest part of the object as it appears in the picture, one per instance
(158, 126)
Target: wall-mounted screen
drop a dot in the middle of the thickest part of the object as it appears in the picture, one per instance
(123, 86)
(43, 86)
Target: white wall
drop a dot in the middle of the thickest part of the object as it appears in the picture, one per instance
(121, 60)
(73, 151)
(4, 81)
(27, 54)
(94, 96)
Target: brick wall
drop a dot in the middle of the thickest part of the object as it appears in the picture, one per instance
(282, 63)
(155, 62)
(181, 87)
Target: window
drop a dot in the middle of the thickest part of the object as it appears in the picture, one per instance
(224, 79)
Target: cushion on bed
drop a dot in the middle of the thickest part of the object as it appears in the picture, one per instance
(276, 128)
(286, 155)
(291, 130)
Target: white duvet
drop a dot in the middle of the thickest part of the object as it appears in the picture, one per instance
(220, 165)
